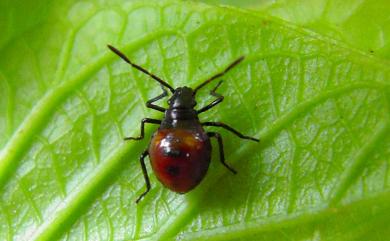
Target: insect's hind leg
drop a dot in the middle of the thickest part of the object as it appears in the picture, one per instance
(143, 122)
(221, 152)
(145, 173)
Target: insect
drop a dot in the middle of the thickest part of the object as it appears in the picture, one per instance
(180, 150)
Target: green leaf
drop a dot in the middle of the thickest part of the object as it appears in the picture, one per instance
(362, 24)
(320, 108)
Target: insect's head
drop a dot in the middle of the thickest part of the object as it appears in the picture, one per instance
(182, 98)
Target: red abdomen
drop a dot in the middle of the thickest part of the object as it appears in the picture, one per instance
(180, 157)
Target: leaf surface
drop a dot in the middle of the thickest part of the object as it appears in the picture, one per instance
(361, 24)
(320, 108)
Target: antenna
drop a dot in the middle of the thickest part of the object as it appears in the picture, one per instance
(237, 61)
(120, 54)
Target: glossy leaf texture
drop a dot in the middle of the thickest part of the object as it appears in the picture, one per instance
(320, 108)
(361, 24)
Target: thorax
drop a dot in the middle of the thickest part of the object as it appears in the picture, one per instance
(181, 119)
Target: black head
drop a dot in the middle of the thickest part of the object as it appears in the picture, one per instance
(182, 98)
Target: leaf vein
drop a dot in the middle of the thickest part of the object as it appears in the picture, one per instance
(181, 216)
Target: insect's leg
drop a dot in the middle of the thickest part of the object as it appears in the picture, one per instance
(144, 120)
(215, 102)
(156, 107)
(145, 173)
(223, 125)
(221, 152)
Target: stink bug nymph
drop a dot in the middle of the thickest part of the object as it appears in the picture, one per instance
(180, 150)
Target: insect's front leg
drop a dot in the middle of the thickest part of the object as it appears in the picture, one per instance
(221, 152)
(145, 173)
(145, 120)
(156, 107)
(215, 102)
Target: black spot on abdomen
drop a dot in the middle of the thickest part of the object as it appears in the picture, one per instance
(173, 170)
